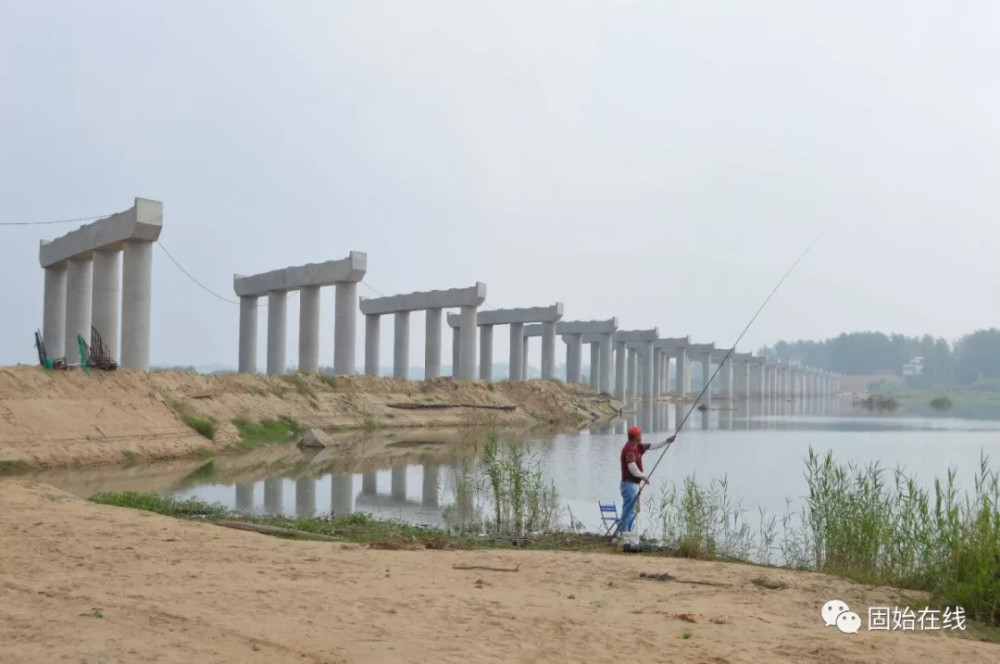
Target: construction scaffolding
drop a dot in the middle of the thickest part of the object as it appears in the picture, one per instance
(43, 357)
(95, 354)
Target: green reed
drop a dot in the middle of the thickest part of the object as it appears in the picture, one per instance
(859, 522)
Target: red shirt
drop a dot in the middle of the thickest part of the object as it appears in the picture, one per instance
(632, 451)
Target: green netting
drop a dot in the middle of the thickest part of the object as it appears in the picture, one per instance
(82, 345)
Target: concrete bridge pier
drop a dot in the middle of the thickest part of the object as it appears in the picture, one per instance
(84, 278)
(574, 357)
(633, 379)
(656, 372)
(54, 311)
(401, 345)
(620, 370)
(372, 343)
(664, 373)
(308, 280)
(517, 351)
(467, 341)
(683, 373)
(309, 329)
(486, 353)
(104, 304)
(79, 284)
(248, 334)
(466, 300)
(432, 343)
(605, 349)
(345, 319)
(595, 365)
(137, 288)
(648, 365)
(276, 326)
(739, 376)
(640, 371)
(727, 380)
(455, 341)
(549, 349)
(702, 353)
(543, 323)
(706, 374)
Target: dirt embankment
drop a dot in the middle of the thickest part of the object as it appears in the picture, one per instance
(54, 418)
(87, 583)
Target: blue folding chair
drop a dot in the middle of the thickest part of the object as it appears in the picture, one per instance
(609, 515)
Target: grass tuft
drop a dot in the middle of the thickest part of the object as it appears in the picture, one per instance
(861, 523)
(300, 382)
(206, 426)
(130, 457)
(941, 403)
(13, 467)
(152, 502)
(281, 430)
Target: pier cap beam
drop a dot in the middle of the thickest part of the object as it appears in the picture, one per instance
(510, 316)
(672, 343)
(587, 326)
(590, 329)
(142, 222)
(437, 299)
(348, 269)
(700, 349)
(636, 336)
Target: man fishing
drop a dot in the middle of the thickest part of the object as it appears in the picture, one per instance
(633, 475)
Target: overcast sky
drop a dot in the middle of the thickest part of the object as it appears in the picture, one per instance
(662, 162)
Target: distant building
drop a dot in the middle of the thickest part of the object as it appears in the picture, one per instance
(914, 367)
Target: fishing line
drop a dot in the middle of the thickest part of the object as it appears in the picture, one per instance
(708, 384)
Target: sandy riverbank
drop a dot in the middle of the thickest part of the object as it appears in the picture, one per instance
(57, 418)
(86, 583)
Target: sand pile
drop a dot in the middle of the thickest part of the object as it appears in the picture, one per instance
(60, 418)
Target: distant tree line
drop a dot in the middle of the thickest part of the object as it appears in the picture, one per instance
(972, 361)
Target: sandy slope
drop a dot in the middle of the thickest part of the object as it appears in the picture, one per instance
(172, 591)
(61, 418)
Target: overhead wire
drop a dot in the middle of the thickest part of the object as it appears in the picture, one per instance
(54, 221)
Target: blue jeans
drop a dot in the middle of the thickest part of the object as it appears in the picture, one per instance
(630, 494)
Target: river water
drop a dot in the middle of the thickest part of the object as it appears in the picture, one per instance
(758, 448)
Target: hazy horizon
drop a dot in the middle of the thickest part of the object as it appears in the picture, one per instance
(664, 163)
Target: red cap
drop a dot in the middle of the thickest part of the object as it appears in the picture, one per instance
(634, 431)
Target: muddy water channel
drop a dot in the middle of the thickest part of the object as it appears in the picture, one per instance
(751, 454)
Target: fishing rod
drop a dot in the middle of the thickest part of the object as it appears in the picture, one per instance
(627, 506)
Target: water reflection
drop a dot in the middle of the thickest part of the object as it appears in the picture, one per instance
(305, 497)
(759, 443)
(341, 494)
(273, 489)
